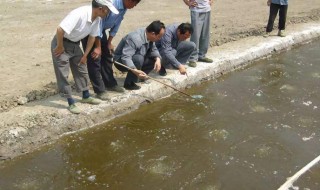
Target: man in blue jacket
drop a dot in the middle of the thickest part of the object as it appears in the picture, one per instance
(100, 68)
(175, 50)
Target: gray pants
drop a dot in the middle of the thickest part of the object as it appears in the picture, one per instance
(185, 51)
(69, 59)
(201, 34)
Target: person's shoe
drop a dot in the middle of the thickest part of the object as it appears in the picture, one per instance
(116, 89)
(74, 109)
(131, 86)
(192, 64)
(102, 96)
(205, 59)
(162, 72)
(90, 100)
(267, 34)
(281, 33)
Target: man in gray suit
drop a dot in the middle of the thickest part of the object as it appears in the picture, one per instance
(175, 50)
(138, 51)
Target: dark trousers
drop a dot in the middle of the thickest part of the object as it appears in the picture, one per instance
(144, 63)
(100, 70)
(274, 9)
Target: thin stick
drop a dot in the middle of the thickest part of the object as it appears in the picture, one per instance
(155, 80)
(292, 179)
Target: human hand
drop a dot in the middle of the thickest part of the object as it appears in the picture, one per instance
(96, 53)
(58, 51)
(191, 3)
(140, 74)
(157, 65)
(182, 69)
(83, 60)
(111, 48)
(269, 2)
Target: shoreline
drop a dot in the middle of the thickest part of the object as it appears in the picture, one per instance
(33, 125)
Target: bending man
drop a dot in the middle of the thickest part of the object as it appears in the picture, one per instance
(175, 50)
(137, 50)
(100, 68)
(66, 52)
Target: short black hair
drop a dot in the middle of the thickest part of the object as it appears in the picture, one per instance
(155, 27)
(96, 4)
(185, 27)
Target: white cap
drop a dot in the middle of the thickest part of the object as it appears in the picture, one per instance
(109, 4)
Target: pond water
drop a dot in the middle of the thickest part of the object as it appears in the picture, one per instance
(251, 130)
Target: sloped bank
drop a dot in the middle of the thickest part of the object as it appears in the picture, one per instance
(26, 128)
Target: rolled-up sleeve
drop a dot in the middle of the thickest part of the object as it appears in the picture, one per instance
(166, 50)
(128, 51)
(113, 31)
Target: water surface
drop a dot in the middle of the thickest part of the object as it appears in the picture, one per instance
(251, 130)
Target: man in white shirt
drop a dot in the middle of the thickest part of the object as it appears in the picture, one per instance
(66, 51)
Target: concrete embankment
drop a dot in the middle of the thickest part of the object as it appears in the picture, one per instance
(28, 127)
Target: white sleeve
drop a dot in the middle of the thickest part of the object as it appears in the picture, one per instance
(95, 31)
(70, 21)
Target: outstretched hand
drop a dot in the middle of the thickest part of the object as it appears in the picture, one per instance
(269, 2)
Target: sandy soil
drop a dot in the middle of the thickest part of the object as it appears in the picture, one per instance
(27, 27)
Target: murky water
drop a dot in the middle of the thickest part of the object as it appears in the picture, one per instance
(250, 131)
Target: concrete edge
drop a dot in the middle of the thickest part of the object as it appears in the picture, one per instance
(48, 124)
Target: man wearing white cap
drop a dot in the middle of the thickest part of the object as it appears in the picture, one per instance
(66, 51)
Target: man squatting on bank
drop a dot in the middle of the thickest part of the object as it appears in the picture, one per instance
(175, 50)
(66, 51)
(138, 51)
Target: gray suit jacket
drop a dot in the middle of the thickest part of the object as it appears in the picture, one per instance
(132, 44)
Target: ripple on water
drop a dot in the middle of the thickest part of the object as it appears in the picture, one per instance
(315, 75)
(219, 134)
(161, 166)
(287, 87)
(258, 109)
(172, 116)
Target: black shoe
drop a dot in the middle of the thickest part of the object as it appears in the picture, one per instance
(162, 71)
(131, 86)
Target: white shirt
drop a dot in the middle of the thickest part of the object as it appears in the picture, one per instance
(203, 6)
(77, 24)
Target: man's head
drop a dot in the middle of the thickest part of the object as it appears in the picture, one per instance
(155, 31)
(184, 31)
(103, 7)
(129, 4)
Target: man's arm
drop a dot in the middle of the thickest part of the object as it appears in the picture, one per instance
(166, 50)
(110, 46)
(90, 43)
(129, 49)
(59, 49)
(96, 53)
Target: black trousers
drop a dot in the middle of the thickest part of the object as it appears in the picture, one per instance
(100, 70)
(274, 9)
(144, 63)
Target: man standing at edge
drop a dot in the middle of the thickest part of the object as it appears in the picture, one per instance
(200, 11)
(66, 51)
(276, 6)
(175, 50)
(100, 68)
(138, 51)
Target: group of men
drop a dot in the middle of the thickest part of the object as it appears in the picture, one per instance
(155, 47)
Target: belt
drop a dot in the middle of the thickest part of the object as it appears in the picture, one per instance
(67, 40)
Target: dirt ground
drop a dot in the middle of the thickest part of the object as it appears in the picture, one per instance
(27, 27)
